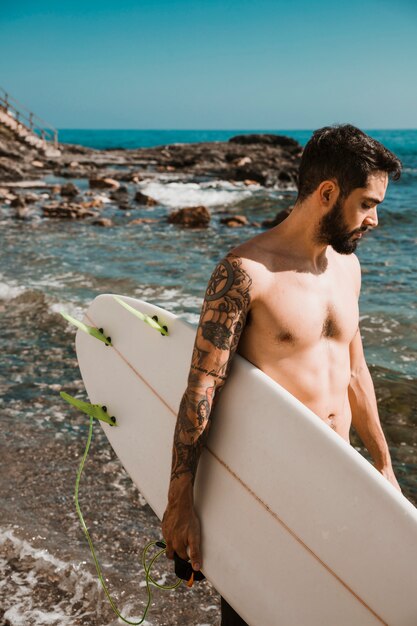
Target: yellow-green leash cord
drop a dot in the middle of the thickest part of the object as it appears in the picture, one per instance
(146, 567)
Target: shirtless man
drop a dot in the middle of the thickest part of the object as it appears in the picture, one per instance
(287, 300)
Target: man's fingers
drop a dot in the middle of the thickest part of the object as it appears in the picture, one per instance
(169, 551)
(182, 553)
(195, 552)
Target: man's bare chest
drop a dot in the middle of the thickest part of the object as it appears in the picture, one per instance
(300, 310)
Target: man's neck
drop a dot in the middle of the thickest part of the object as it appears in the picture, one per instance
(299, 232)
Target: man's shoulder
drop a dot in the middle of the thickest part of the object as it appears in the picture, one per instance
(352, 266)
(237, 271)
(247, 265)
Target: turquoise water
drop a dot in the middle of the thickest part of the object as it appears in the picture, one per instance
(47, 265)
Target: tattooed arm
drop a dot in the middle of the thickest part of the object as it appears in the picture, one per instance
(223, 315)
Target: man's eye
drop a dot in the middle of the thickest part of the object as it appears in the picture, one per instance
(365, 206)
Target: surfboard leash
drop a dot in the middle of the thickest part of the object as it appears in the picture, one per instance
(183, 568)
(147, 566)
(96, 411)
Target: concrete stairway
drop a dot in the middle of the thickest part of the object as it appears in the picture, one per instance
(22, 123)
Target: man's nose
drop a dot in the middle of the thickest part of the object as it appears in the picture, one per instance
(371, 219)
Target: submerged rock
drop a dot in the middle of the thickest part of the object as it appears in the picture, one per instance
(143, 220)
(234, 221)
(103, 221)
(191, 217)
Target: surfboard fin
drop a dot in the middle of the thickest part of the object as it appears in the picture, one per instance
(98, 333)
(93, 410)
(151, 321)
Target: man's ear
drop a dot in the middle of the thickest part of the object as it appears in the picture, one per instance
(327, 188)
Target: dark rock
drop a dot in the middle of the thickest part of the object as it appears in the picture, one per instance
(258, 175)
(67, 210)
(280, 217)
(18, 202)
(70, 190)
(285, 177)
(120, 196)
(234, 221)
(190, 217)
(265, 139)
(142, 198)
(104, 183)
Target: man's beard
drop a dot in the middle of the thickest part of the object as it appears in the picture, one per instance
(333, 230)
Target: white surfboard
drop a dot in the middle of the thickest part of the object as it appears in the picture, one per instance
(298, 529)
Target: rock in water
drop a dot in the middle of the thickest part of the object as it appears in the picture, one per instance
(102, 221)
(70, 190)
(266, 139)
(234, 221)
(142, 198)
(104, 183)
(190, 217)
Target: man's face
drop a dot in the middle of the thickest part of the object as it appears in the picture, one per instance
(349, 219)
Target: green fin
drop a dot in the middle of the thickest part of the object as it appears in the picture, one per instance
(142, 316)
(90, 330)
(93, 410)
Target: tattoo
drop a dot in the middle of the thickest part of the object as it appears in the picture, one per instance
(222, 320)
(191, 428)
(208, 372)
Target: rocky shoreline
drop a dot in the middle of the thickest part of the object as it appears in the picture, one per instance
(114, 176)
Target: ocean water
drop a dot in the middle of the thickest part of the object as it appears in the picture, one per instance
(47, 576)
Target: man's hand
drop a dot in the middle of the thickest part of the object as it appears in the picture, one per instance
(181, 529)
(388, 472)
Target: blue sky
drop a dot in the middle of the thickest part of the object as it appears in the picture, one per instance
(214, 64)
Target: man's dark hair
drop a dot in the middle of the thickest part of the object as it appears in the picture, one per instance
(346, 153)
